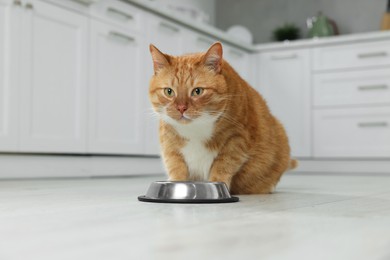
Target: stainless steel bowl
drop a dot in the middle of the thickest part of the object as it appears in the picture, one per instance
(188, 192)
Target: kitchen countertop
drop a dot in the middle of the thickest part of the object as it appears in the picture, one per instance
(338, 39)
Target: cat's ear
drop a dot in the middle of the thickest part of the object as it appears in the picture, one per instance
(213, 57)
(160, 60)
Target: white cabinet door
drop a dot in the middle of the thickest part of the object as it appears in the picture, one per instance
(116, 89)
(151, 119)
(53, 79)
(284, 81)
(9, 100)
(352, 132)
(167, 36)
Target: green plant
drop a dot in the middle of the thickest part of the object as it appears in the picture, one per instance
(286, 32)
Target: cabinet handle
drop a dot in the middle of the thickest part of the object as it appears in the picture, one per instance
(113, 12)
(284, 57)
(373, 124)
(372, 55)
(169, 27)
(373, 87)
(17, 2)
(121, 36)
(29, 6)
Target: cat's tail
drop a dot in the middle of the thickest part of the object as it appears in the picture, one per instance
(293, 164)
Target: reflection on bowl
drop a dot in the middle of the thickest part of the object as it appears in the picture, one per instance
(188, 192)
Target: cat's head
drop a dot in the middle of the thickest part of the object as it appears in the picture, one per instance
(188, 88)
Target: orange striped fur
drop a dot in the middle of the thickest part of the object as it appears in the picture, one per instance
(214, 126)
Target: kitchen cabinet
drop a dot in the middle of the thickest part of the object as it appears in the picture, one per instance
(117, 88)
(167, 36)
(63, 98)
(118, 14)
(352, 56)
(353, 88)
(9, 89)
(351, 100)
(150, 118)
(284, 81)
(358, 132)
(53, 74)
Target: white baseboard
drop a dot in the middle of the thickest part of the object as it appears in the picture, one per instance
(44, 166)
(344, 166)
(51, 166)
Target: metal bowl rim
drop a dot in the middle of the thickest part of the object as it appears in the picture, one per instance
(189, 182)
(144, 198)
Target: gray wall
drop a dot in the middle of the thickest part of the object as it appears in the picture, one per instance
(262, 16)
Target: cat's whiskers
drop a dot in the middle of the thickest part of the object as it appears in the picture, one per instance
(219, 99)
(234, 122)
(229, 119)
(153, 114)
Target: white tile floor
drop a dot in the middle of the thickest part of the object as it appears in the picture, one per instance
(309, 217)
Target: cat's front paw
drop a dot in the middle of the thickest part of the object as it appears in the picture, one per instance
(177, 179)
(227, 181)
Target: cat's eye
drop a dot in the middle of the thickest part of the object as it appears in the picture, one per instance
(197, 92)
(169, 92)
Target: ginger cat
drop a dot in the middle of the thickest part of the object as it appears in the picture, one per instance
(214, 126)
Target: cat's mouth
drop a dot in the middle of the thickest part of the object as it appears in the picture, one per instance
(184, 119)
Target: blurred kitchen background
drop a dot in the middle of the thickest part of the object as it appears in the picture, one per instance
(352, 16)
(74, 79)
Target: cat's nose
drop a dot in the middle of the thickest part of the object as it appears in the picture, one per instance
(181, 108)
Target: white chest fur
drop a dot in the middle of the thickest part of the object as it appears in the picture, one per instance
(196, 155)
